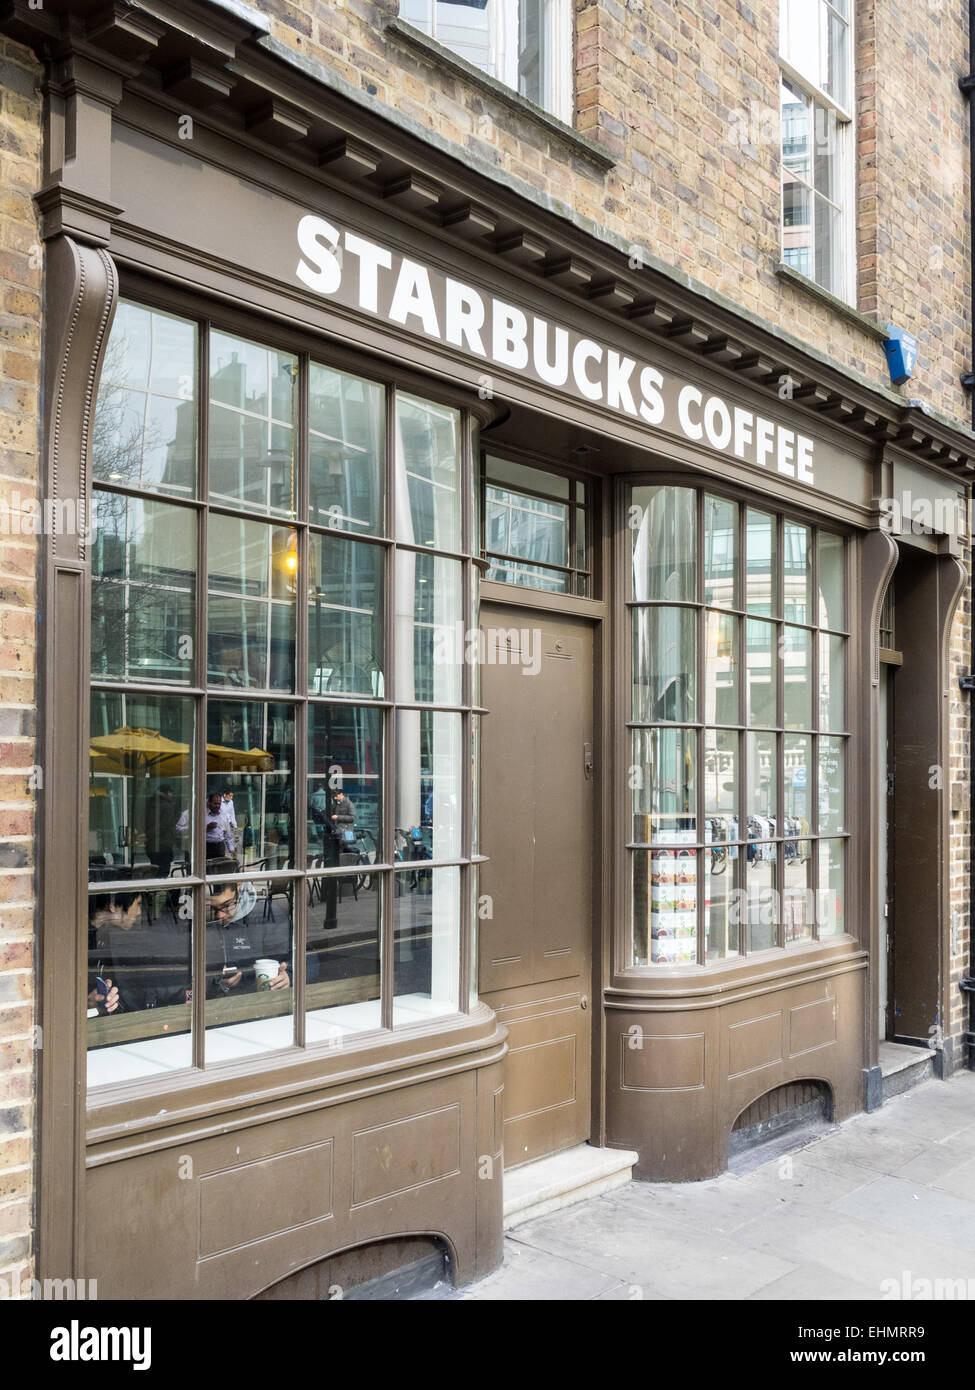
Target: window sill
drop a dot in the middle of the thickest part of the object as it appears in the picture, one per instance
(839, 306)
(445, 57)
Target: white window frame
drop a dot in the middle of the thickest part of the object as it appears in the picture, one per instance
(845, 127)
(503, 33)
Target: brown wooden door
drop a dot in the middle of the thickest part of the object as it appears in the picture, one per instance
(537, 816)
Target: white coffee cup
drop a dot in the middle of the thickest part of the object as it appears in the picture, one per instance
(266, 970)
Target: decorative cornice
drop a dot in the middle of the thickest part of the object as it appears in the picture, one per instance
(263, 95)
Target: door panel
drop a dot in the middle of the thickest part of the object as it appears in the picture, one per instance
(536, 817)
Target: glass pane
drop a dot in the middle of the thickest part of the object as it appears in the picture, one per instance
(139, 984)
(827, 178)
(721, 669)
(831, 574)
(798, 900)
(519, 475)
(253, 396)
(140, 785)
(832, 786)
(345, 784)
(465, 29)
(430, 641)
(797, 566)
(476, 783)
(342, 961)
(832, 660)
(797, 675)
(760, 785)
(346, 451)
(813, 40)
(831, 915)
(426, 945)
(143, 590)
(664, 903)
(721, 552)
(251, 607)
(250, 972)
(429, 764)
(722, 902)
(528, 576)
(760, 551)
(473, 996)
(250, 747)
(760, 672)
(796, 134)
(345, 617)
(761, 897)
(721, 784)
(797, 779)
(664, 663)
(428, 481)
(663, 786)
(829, 246)
(663, 540)
(144, 428)
(527, 527)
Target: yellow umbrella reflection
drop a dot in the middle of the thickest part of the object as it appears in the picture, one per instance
(220, 759)
(129, 751)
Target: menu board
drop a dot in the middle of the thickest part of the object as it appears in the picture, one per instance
(673, 898)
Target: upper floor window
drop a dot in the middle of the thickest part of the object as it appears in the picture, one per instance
(525, 44)
(818, 193)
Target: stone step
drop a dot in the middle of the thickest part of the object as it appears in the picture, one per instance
(904, 1066)
(560, 1180)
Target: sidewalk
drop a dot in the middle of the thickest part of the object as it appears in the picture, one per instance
(888, 1196)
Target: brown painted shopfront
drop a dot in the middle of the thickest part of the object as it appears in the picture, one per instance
(333, 244)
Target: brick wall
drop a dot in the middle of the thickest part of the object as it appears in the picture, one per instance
(20, 355)
(685, 95)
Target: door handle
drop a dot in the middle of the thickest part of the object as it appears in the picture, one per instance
(587, 760)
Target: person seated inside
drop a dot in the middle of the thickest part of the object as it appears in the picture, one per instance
(133, 964)
(238, 936)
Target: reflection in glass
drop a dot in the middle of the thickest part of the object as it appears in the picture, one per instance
(760, 671)
(832, 659)
(346, 451)
(345, 617)
(428, 463)
(345, 772)
(251, 745)
(721, 784)
(426, 937)
(430, 645)
(722, 902)
(761, 564)
(720, 668)
(663, 537)
(761, 898)
(664, 786)
(429, 767)
(140, 784)
(798, 900)
(251, 605)
(145, 422)
(797, 677)
(797, 570)
(249, 969)
(832, 786)
(253, 396)
(139, 984)
(664, 663)
(342, 956)
(831, 574)
(760, 783)
(720, 552)
(831, 916)
(797, 770)
(143, 590)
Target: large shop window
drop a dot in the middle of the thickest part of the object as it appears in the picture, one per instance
(737, 732)
(818, 154)
(280, 823)
(526, 44)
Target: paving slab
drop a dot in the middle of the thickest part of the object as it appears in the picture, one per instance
(912, 1208)
(530, 1274)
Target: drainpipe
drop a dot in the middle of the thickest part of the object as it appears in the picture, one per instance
(967, 85)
